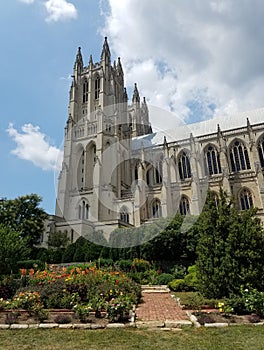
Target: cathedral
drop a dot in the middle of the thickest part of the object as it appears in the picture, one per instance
(117, 172)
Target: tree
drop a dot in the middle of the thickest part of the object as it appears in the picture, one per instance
(24, 216)
(58, 239)
(230, 248)
(12, 249)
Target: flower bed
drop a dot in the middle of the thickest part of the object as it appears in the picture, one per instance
(87, 291)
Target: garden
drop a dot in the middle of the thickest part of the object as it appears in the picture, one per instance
(75, 294)
(214, 266)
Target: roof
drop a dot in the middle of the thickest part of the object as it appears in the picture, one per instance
(199, 129)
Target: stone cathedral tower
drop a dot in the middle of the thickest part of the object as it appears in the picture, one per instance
(98, 136)
(116, 172)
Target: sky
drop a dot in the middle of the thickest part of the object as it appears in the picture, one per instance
(196, 59)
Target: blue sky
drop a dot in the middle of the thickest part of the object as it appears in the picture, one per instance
(198, 64)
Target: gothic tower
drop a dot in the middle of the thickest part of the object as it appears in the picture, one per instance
(97, 144)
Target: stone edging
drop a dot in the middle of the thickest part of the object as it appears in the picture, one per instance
(195, 322)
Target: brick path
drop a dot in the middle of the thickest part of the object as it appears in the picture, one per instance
(159, 307)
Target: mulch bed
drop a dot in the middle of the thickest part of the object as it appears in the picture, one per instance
(216, 317)
(23, 317)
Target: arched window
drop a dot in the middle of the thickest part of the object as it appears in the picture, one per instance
(246, 199)
(212, 160)
(124, 215)
(158, 171)
(136, 172)
(156, 209)
(97, 87)
(261, 152)
(94, 154)
(184, 207)
(239, 157)
(85, 91)
(83, 210)
(149, 174)
(184, 166)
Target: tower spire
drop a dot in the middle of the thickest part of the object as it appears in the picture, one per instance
(91, 61)
(119, 67)
(136, 97)
(105, 51)
(78, 60)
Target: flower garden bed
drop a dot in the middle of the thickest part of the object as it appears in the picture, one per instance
(81, 294)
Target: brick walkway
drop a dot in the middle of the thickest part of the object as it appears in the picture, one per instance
(159, 307)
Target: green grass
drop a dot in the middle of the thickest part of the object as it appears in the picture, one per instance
(193, 300)
(239, 337)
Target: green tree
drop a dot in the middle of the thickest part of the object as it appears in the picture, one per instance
(58, 239)
(24, 216)
(230, 248)
(12, 249)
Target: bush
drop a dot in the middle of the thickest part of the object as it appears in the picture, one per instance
(189, 282)
(191, 278)
(82, 312)
(11, 317)
(140, 265)
(104, 262)
(124, 265)
(30, 264)
(164, 278)
(8, 287)
(40, 314)
(63, 319)
(178, 271)
(205, 318)
(118, 308)
(178, 285)
(249, 301)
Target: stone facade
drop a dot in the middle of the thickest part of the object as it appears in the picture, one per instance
(116, 172)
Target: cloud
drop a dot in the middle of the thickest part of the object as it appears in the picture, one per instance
(32, 145)
(199, 63)
(60, 10)
(27, 1)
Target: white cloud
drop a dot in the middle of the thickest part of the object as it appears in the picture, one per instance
(199, 63)
(60, 10)
(27, 1)
(32, 145)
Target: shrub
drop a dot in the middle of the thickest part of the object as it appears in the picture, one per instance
(164, 278)
(140, 265)
(119, 308)
(6, 292)
(191, 278)
(254, 318)
(8, 287)
(205, 318)
(178, 285)
(178, 271)
(26, 300)
(189, 282)
(124, 265)
(40, 314)
(63, 319)
(11, 317)
(29, 264)
(249, 301)
(82, 311)
(104, 262)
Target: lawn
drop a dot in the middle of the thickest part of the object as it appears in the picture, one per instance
(239, 337)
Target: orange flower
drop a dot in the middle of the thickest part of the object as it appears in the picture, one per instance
(31, 272)
(23, 272)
